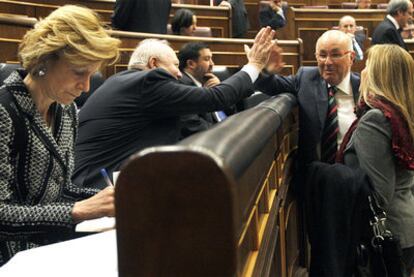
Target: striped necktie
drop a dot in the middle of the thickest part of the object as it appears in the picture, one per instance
(329, 142)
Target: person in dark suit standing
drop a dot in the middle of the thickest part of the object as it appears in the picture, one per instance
(347, 24)
(196, 65)
(134, 109)
(389, 30)
(272, 15)
(240, 22)
(311, 86)
(147, 16)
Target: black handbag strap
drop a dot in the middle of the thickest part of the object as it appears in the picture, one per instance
(20, 136)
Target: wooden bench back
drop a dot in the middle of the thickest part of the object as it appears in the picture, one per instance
(217, 204)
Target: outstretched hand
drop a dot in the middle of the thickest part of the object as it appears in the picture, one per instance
(259, 54)
(275, 63)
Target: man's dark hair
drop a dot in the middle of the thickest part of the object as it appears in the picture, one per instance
(183, 18)
(190, 51)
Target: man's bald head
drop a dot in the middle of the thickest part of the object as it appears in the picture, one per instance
(334, 55)
(347, 24)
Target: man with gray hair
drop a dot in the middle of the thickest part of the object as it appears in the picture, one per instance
(135, 109)
(147, 53)
(389, 30)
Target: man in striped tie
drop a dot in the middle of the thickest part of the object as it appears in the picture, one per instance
(326, 94)
(326, 97)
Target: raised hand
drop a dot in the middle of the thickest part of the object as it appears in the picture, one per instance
(259, 54)
(275, 63)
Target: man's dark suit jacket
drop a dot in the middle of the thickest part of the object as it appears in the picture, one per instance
(311, 91)
(148, 16)
(360, 37)
(133, 110)
(268, 17)
(240, 21)
(193, 123)
(387, 33)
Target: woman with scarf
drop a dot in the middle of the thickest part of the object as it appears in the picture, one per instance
(380, 141)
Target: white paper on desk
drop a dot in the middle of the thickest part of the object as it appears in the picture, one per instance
(96, 225)
(115, 175)
(94, 255)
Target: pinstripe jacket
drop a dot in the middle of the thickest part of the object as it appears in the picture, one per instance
(37, 210)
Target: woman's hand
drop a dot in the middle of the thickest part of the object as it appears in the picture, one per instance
(99, 205)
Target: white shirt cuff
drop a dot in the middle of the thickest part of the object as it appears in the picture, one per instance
(252, 71)
(280, 12)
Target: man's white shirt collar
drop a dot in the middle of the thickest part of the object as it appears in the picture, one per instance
(392, 19)
(197, 83)
(345, 85)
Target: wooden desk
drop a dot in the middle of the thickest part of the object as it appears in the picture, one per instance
(217, 18)
(226, 52)
(309, 24)
(15, 26)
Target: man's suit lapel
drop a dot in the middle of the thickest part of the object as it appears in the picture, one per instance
(321, 99)
(355, 88)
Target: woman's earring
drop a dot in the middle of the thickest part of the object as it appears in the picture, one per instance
(41, 73)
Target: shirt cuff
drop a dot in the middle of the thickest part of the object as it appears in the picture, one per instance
(252, 71)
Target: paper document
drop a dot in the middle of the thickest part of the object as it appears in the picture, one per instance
(96, 225)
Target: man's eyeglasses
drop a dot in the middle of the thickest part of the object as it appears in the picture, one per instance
(322, 57)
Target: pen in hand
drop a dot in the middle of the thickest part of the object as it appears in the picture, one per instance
(104, 174)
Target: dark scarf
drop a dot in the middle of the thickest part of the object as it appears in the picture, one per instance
(402, 142)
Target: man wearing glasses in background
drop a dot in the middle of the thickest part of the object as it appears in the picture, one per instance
(326, 95)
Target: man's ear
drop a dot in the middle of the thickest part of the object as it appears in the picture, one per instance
(191, 64)
(353, 55)
(152, 63)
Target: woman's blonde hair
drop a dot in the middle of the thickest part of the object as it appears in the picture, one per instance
(72, 32)
(390, 73)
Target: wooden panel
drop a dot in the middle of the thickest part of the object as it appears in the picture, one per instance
(15, 26)
(9, 50)
(211, 222)
(309, 24)
(326, 19)
(217, 18)
(226, 52)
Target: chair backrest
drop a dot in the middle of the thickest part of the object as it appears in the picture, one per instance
(316, 7)
(202, 32)
(254, 100)
(5, 70)
(382, 5)
(199, 31)
(349, 5)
